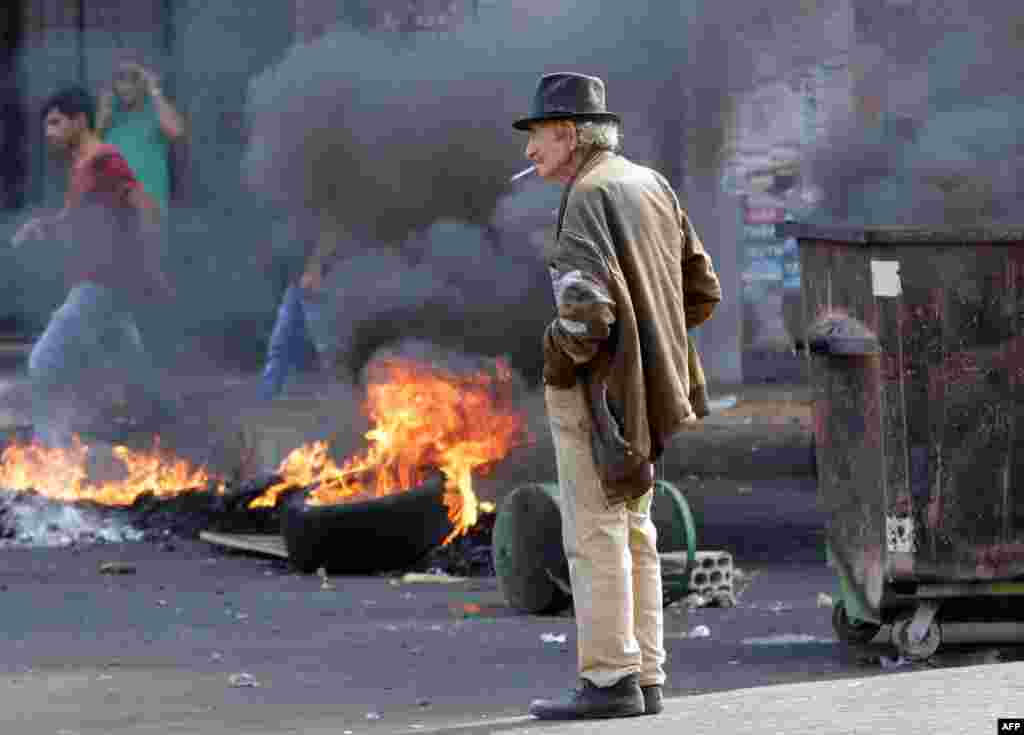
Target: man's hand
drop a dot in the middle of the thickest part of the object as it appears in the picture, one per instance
(105, 110)
(34, 229)
(151, 80)
(311, 280)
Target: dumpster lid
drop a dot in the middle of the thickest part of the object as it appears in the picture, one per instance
(946, 235)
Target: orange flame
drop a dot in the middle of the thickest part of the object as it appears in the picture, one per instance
(63, 474)
(422, 417)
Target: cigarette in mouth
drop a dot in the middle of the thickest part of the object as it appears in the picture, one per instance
(522, 174)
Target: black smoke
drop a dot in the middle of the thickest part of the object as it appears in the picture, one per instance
(405, 147)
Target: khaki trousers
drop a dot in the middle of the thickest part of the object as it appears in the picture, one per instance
(614, 566)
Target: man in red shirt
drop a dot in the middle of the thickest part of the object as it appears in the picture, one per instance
(92, 343)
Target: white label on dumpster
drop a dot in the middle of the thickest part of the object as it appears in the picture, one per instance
(900, 534)
(885, 278)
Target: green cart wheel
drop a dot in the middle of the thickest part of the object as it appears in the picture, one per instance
(529, 559)
(677, 532)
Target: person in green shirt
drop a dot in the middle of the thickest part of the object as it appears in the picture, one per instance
(135, 116)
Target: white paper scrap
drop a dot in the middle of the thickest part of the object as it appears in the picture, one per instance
(885, 278)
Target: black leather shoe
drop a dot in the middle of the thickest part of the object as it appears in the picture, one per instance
(621, 699)
(652, 699)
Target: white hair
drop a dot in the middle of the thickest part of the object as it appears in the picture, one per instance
(600, 135)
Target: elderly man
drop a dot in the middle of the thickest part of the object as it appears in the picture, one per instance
(630, 276)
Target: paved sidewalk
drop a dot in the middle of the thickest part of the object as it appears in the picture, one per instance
(955, 701)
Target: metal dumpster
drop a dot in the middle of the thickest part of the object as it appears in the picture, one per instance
(916, 343)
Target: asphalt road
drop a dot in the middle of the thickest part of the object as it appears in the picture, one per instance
(171, 648)
(155, 651)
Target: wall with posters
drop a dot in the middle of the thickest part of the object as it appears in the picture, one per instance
(770, 295)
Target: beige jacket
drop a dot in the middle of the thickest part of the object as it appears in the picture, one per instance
(630, 277)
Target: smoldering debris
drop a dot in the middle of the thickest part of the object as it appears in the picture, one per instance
(29, 519)
(470, 555)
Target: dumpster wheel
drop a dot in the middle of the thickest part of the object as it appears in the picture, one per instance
(848, 631)
(912, 649)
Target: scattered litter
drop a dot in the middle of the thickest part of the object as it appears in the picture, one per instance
(779, 607)
(161, 603)
(695, 601)
(117, 567)
(241, 616)
(243, 680)
(216, 656)
(471, 608)
(785, 639)
(438, 577)
(824, 600)
(553, 637)
(893, 663)
(701, 631)
(722, 404)
(373, 715)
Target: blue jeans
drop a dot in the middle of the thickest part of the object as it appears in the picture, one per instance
(298, 315)
(90, 347)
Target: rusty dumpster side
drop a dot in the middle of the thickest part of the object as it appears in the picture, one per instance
(920, 438)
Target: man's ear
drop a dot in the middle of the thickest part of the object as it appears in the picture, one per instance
(572, 134)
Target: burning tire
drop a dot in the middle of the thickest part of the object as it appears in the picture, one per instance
(376, 535)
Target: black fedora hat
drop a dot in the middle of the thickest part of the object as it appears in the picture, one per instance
(567, 96)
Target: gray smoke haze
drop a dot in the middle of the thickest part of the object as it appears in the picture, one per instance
(934, 136)
(388, 140)
(411, 146)
(404, 146)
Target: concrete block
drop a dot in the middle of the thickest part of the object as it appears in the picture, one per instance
(711, 576)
